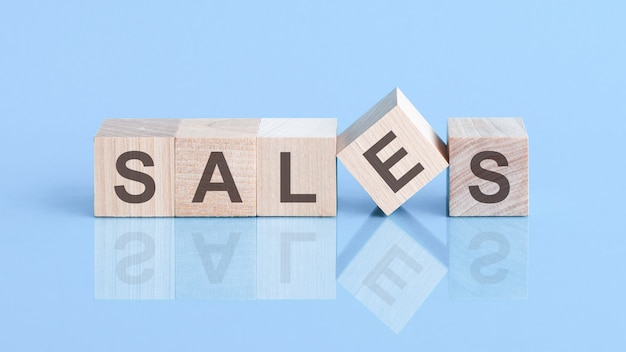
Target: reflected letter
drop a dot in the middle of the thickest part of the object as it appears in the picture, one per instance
(216, 258)
(134, 258)
(396, 266)
(296, 258)
(488, 257)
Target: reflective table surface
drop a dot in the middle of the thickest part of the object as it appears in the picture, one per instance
(360, 280)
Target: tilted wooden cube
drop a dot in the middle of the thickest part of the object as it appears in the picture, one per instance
(216, 167)
(392, 151)
(296, 162)
(488, 167)
(134, 167)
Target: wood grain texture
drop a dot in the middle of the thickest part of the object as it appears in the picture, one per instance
(197, 141)
(297, 157)
(409, 132)
(498, 149)
(154, 137)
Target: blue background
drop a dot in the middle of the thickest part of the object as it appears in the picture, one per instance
(67, 65)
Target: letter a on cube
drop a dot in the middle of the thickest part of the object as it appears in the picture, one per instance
(216, 167)
(392, 151)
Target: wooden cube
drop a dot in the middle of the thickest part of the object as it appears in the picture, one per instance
(134, 167)
(297, 167)
(216, 169)
(392, 151)
(488, 167)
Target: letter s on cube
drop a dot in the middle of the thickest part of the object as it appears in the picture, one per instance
(488, 167)
(134, 167)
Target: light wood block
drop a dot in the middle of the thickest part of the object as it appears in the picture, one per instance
(297, 167)
(488, 167)
(134, 167)
(392, 151)
(216, 169)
